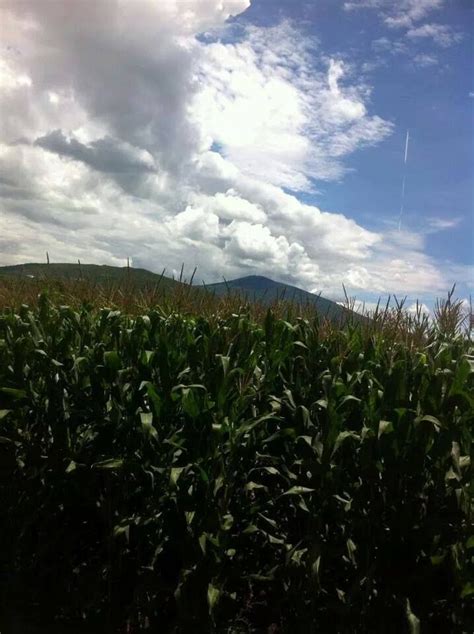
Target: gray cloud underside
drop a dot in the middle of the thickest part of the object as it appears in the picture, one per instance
(104, 155)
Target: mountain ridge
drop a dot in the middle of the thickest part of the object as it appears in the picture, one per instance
(265, 290)
(257, 288)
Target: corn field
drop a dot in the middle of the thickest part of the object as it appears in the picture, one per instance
(181, 468)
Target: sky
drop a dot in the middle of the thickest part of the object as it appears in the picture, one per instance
(243, 137)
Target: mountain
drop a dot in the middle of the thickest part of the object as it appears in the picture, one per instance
(263, 289)
(253, 287)
(102, 274)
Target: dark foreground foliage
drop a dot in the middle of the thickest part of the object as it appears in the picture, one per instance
(171, 473)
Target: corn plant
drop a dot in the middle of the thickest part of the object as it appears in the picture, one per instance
(174, 471)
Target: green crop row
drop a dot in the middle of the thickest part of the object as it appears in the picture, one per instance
(171, 473)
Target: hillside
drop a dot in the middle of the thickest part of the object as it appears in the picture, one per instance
(263, 289)
(102, 274)
(254, 288)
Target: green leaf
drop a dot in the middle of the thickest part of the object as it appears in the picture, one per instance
(274, 540)
(72, 466)
(271, 470)
(288, 432)
(225, 361)
(307, 439)
(112, 360)
(433, 420)
(302, 505)
(348, 399)
(213, 595)
(154, 397)
(175, 475)
(412, 620)
(146, 419)
(297, 490)
(4, 413)
(189, 515)
(80, 364)
(467, 590)
(346, 502)
(341, 595)
(385, 427)
(111, 463)
(147, 356)
(315, 567)
(351, 548)
(247, 426)
(436, 560)
(251, 486)
(470, 542)
(342, 437)
(227, 522)
(190, 404)
(13, 392)
(122, 529)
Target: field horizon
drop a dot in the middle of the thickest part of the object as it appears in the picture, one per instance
(201, 462)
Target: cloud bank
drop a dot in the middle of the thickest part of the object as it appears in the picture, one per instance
(126, 132)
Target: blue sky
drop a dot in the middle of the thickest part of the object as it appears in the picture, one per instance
(435, 102)
(243, 137)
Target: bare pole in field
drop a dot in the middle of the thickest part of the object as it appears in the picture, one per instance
(402, 198)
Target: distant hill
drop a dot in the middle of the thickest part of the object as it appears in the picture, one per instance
(253, 288)
(102, 274)
(263, 289)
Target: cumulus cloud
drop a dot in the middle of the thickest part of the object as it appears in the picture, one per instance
(417, 308)
(467, 307)
(276, 114)
(441, 34)
(104, 155)
(128, 65)
(397, 14)
(126, 134)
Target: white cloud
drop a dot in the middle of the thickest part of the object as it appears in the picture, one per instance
(10, 80)
(400, 14)
(407, 12)
(105, 154)
(230, 206)
(406, 15)
(466, 306)
(385, 45)
(194, 224)
(417, 308)
(361, 306)
(441, 34)
(425, 60)
(131, 137)
(441, 224)
(276, 113)
(362, 4)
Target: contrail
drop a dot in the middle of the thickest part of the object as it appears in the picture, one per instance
(402, 199)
